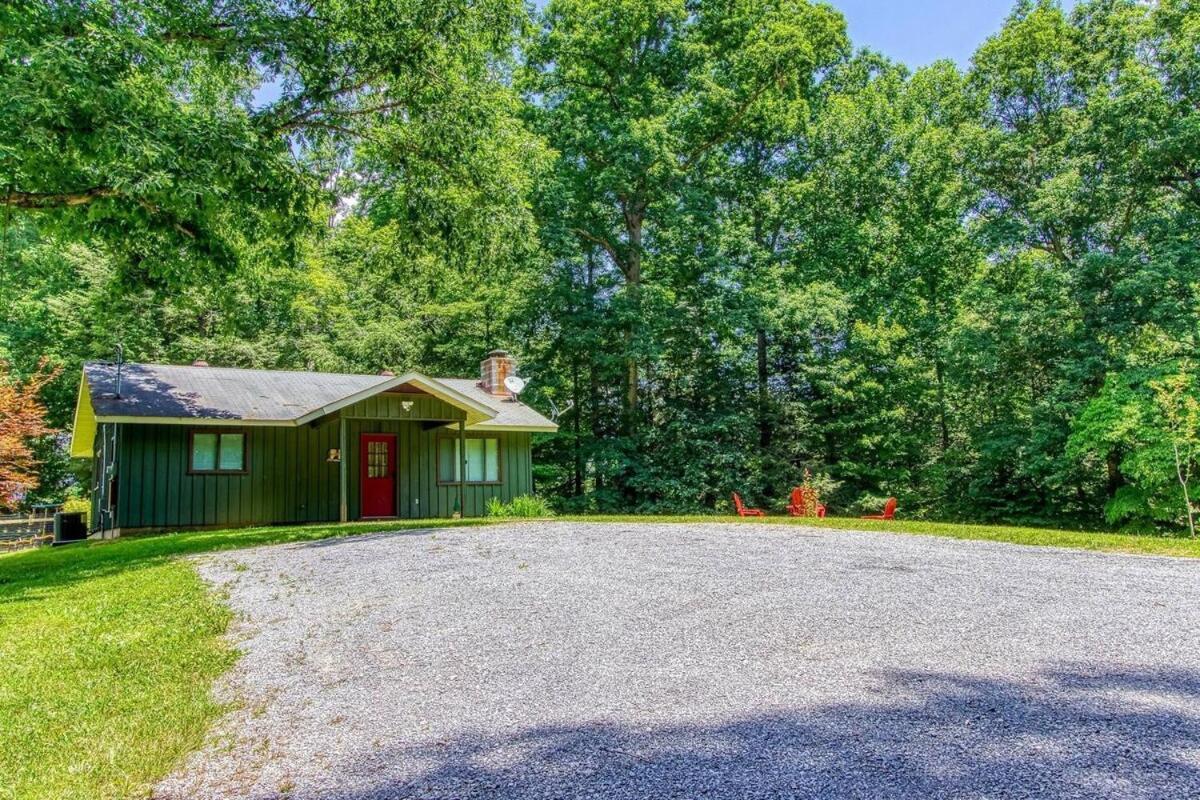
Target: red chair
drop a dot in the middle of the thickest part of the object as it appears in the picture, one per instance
(742, 511)
(804, 503)
(889, 511)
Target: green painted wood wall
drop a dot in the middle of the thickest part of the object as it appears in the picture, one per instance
(288, 479)
(420, 494)
(391, 406)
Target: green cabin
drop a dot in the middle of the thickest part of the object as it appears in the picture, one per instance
(199, 446)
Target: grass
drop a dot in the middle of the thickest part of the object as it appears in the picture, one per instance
(108, 650)
(1179, 546)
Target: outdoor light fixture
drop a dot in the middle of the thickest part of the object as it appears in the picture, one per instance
(334, 456)
(406, 405)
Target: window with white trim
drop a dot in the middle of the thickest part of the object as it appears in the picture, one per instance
(217, 452)
(483, 460)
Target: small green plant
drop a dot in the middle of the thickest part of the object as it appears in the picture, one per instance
(817, 488)
(868, 503)
(78, 505)
(527, 506)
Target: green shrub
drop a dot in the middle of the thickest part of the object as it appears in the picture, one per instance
(76, 505)
(527, 506)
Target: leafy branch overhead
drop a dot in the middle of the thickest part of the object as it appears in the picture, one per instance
(175, 131)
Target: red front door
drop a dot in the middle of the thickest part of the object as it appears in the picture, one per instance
(377, 454)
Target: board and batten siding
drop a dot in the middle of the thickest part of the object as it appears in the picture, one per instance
(288, 478)
(419, 493)
(391, 405)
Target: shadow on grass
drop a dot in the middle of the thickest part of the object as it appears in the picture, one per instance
(1074, 732)
(26, 574)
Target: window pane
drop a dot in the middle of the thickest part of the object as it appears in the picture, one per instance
(491, 460)
(377, 460)
(233, 451)
(447, 460)
(474, 460)
(204, 452)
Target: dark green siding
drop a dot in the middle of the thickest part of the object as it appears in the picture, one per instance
(289, 480)
(391, 406)
(420, 495)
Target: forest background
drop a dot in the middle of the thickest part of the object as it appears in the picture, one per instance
(733, 245)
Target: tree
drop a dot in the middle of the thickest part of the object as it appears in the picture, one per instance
(22, 420)
(148, 125)
(1178, 399)
(638, 97)
(171, 174)
(1086, 213)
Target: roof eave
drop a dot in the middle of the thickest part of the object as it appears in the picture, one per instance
(549, 427)
(235, 422)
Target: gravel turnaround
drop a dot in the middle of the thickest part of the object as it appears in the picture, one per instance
(571, 660)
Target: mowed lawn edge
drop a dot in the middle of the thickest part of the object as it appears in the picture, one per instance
(1180, 546)
(109, 650)
(108, 655)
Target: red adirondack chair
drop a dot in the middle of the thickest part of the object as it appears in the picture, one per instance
(743, 511)
(804, 503)
(889, 511)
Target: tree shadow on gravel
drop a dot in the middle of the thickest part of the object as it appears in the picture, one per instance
(1071, 733)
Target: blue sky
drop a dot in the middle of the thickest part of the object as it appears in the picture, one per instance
(914, 32)
(918, 32)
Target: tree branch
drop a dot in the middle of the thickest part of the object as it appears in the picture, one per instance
(44, 200)
(600, 240)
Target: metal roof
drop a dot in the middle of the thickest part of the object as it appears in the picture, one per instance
(170, 392)
(510, 413)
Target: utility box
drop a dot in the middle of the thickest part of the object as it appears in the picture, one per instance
(69, 527)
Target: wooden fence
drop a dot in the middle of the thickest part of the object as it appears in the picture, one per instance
(18, 531)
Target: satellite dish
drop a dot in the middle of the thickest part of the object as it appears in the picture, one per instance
(514, 384)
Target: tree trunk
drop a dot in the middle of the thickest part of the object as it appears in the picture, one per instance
(593, 378)
(1115, 480)
(1184, 476)
(940, 372)
(577, 478)
(633, 289)
(764, 398)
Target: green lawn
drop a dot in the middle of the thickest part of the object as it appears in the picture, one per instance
(108, 650)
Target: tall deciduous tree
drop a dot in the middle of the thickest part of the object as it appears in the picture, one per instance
(1178, 398)
(638, 97)
(1088, 173)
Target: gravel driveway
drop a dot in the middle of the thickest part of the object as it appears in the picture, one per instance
(563, 660)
